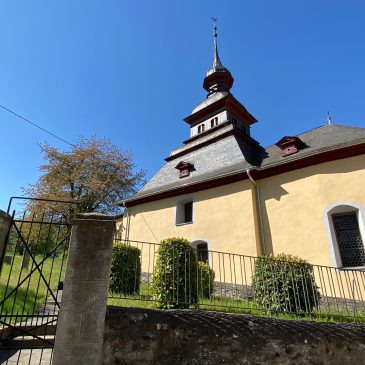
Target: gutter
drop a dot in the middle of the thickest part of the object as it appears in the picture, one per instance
(261, 233)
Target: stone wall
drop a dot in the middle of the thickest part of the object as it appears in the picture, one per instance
(145, 336)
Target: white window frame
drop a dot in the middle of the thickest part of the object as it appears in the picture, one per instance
(342, 207)
(179, 209)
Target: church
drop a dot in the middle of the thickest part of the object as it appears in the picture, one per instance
(223, 191)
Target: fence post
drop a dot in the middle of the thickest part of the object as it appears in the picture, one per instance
(5, 221)
(80, 328)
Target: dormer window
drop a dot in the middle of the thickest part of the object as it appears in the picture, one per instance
(289, 145)
(185, 168)
(201, 128)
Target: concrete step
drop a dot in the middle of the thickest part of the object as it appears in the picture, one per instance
(28, 342)
(11, 332)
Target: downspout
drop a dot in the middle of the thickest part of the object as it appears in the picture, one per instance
(259, 212)
(126, 236)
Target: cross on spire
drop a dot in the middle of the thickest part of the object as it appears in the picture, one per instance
(329, 119)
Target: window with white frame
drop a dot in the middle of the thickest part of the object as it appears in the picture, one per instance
(346, 231)
(184, 211)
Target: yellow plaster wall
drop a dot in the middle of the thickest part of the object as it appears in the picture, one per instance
(294, 205)
(223, 216)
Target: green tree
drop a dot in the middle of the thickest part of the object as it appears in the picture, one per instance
(94, 173)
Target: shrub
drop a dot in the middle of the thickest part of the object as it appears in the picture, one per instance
(205, 280)
(126, 269)
(285, 283)
(174, 283)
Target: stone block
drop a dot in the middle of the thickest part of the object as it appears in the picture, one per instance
(89, 265)
(84, 295)
(78, 354)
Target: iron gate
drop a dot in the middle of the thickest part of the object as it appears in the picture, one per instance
(31, 279)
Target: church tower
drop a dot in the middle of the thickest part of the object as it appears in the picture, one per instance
(220, 106)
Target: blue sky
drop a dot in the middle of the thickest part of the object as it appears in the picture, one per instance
(132, 70)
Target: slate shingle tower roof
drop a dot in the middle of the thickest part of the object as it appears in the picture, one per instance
(222, 152)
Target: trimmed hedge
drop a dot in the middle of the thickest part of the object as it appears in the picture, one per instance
(285, 284)
(206, 277)
(174, 283)
(125, 273)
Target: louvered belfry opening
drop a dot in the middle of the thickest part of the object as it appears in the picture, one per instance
(350, 244)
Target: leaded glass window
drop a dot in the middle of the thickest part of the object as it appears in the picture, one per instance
(350, 244)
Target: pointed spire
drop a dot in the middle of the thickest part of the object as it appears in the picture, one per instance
(218, 78)
(216, 61)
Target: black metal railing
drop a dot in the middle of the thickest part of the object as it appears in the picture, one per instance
(32, 272)
(238, 283)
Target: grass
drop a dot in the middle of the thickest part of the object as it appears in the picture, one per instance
(237, 306)
(31, 295)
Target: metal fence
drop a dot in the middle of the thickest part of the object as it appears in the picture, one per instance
(32, 270)
(237, 283)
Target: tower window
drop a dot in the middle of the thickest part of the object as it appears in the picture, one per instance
(201, 128)
(213, 122)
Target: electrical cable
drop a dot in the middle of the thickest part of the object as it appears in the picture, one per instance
(36, 125)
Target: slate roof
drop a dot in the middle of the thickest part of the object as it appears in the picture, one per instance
(321, 139)
(231, 154)
(210, 100)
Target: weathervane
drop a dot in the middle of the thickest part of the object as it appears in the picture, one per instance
(216, 61)
(215, 27)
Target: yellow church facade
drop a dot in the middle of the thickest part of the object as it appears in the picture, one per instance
(221, 190)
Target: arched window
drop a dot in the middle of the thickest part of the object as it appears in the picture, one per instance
(201, 250)
(345, 224)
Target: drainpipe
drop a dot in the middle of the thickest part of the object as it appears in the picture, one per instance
(126, 235)
(259, 213)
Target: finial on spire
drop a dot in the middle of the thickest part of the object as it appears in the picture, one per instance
(215, 27)
(218, 78)
(329, 119)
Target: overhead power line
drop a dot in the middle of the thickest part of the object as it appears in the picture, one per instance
(36, 125)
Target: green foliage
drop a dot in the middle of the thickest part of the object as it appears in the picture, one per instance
(206, 277)
(126, 269)
(174, 283)
(32, 292)
(285, 284)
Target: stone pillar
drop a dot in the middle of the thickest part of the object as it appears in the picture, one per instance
(80, 328)
(5, 221)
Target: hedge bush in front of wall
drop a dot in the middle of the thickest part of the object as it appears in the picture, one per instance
(206, 277)
(285, 284)
(125, 273)
(174, 283)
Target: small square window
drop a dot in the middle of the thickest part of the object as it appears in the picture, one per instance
(184, 211)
